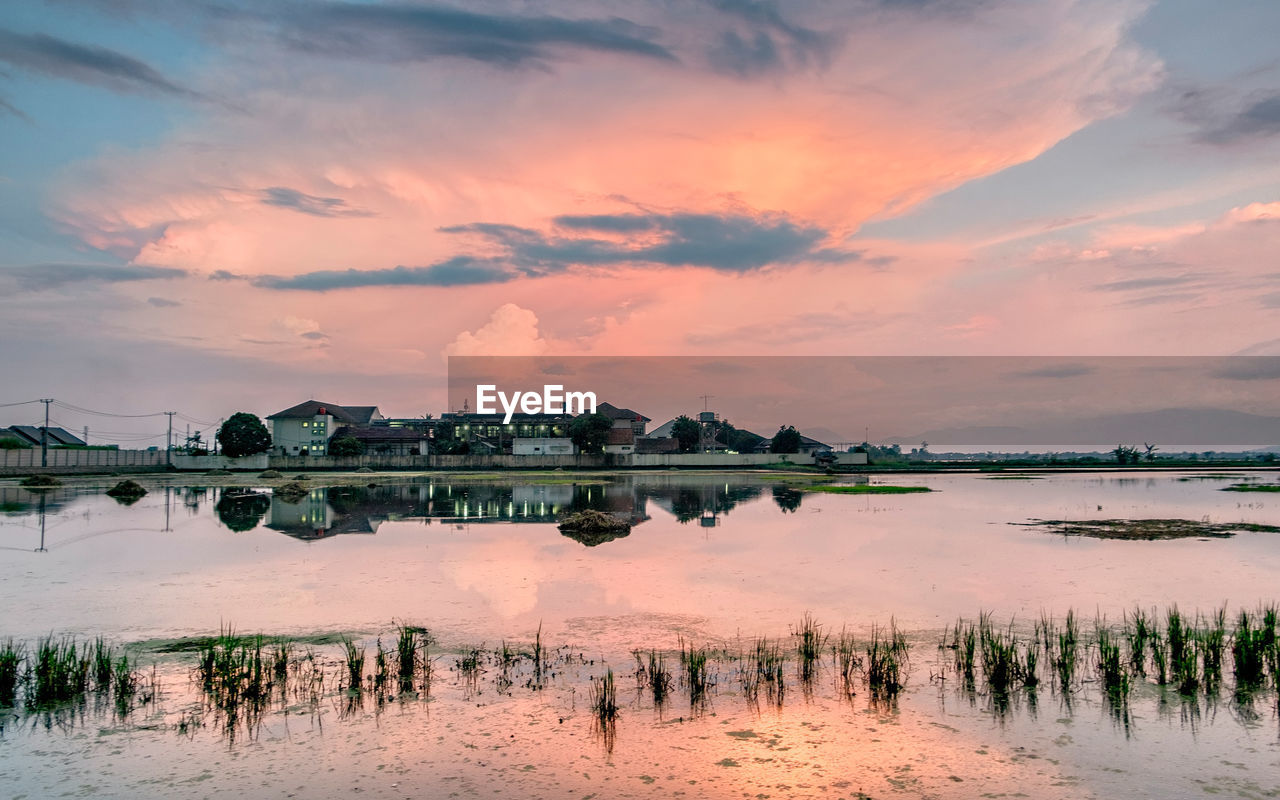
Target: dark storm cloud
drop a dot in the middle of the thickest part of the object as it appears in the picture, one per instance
(729, 243)
(37, 277)
(303, 203)
(84, 63)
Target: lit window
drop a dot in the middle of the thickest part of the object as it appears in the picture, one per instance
(305, 424)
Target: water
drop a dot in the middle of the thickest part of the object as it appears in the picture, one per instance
(715, 559)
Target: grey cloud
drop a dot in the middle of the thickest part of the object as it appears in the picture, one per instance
(225, 275)
(1223, 120)
(1135, 284)
(734, 243)
(731, 243)
(10, 108)
(1271, 300)
(757, 52)
(1056, 371)
(1251, 368)
(303, 203)
(401, 32)
(458, 271)
(37, 277)
(317, 336)
(84, 63)
(160, 302)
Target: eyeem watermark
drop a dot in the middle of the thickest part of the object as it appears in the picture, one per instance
(553, 400)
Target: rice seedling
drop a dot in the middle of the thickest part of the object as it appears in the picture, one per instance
(1160, 658)
(1176, 635)
(1248, 653)
(812, 642)
(408, 642)
(848, 662)
(539, 655)
(604, 707)
(1137, 630)
(1000, 664)
(59, 674)
(381, 668)
(1111, 669)
(1185, 669)
(693, 663)
(966, 644)
(12, 657)
(887, 661)
(103, 664)
(281, 654)
(354, 662)
(653, 676)
(124, 685)
(469, 669)
(1211, 643)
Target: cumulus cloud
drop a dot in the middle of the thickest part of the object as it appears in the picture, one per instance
(510, 331)
(84, 63)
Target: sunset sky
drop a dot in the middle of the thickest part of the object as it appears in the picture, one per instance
(217, 205)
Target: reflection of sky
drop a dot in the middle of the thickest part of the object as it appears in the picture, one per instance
(848, 559)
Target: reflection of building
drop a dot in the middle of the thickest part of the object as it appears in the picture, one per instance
(313, 517)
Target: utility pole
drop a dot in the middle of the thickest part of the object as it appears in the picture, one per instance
(168, 441)
(44, 435)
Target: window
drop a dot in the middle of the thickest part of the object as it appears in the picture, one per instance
(305, 424)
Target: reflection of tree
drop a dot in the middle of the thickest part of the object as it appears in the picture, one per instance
(242, 509)
(788, 499)
(593, 538)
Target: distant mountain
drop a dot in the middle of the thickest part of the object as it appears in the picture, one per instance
(1170, 426)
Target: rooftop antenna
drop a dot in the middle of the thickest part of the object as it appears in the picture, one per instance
(705, 399)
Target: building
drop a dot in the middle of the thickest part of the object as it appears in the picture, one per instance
(542, 447)
(305, 429)
(624, 418)
(33, 434)
(488, 432)
(621, 441)
(386, 440)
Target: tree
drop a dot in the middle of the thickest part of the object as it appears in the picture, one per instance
(590, 432)
(346, 446)
(1151, 451)
(243, 435)
(687, 432)
(786, 440)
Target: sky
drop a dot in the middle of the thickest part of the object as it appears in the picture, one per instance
(218, 205)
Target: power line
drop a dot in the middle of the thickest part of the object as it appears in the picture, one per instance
(23, 403)
(71, 407)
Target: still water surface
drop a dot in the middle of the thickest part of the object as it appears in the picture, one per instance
(711, 558)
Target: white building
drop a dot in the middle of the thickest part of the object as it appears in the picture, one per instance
(542, 447)
(305, 429)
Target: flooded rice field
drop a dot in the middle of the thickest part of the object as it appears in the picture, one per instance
(1065, 635)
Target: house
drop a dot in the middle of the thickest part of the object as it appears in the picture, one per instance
(305, 429)
(489, 431)
(620, 440)
(624, 418)
(545, 446)
(808, 446)
(385, 440)
(649, 445)
(33, 434)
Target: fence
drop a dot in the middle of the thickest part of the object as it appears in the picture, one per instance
(14, 462)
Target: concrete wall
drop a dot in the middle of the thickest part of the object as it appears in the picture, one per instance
(206, 463)
(579, 461)
(17, 462)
